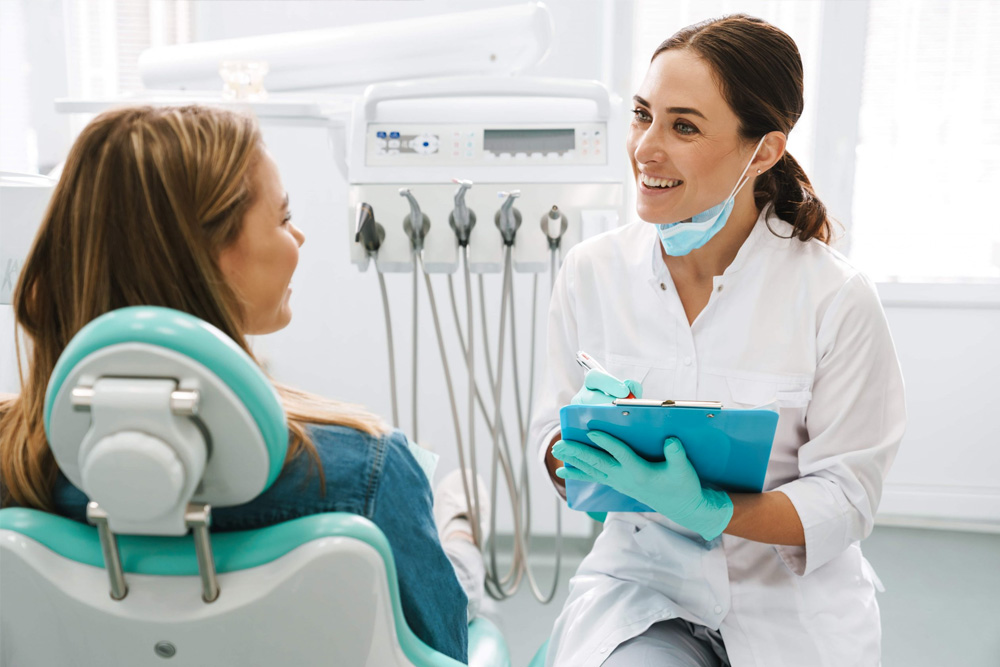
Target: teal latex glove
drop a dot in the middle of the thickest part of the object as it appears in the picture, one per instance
(671, 487)
(600, 388)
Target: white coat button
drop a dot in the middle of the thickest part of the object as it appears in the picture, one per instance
(687, 361)
(663, 286)
(603, 649)
(719, 288)
(718, 609)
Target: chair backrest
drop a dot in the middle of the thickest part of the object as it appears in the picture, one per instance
(319, 590)
(149, 409)
(148, 412)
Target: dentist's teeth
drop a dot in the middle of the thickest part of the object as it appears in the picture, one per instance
(651, 182)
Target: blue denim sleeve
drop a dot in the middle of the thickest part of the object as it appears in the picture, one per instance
(433, 601)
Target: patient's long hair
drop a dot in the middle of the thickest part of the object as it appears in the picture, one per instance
(147, 200)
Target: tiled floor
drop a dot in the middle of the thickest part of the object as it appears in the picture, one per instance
(941, 607)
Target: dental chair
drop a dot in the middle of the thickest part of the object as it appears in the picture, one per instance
(157, 417)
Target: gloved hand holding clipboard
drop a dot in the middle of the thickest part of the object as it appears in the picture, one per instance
(728, 448)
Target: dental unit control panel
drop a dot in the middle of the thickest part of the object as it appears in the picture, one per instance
(543, 142)
(467, 145)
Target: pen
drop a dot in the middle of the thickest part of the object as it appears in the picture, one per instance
(591, 364)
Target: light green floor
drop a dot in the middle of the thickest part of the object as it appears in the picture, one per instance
(941, 607)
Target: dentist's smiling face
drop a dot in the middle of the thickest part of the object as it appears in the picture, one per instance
(683, 142)
(260, 263)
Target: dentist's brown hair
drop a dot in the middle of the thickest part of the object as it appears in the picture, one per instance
(759, 69)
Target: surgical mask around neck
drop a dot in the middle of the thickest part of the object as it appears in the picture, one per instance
(680, 238)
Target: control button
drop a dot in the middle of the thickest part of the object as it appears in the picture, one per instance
(394, 135)
(380, 143)
(490, 156)
(394, 143)
(380, 134)
(536, 155)
(393, 151)
(521, 155)
(552, 155)
(425, 143)
(687, 361)
(597, 133)
(504, 156)
(454, 153)
(570, 153)
(584, 151)
(584, 133)
(379, 151)
(468, 144)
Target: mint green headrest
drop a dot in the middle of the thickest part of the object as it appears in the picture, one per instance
(195, 338)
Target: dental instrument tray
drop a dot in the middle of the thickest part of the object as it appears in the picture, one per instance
(729, 448)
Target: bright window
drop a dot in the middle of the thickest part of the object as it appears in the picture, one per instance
(928, 155)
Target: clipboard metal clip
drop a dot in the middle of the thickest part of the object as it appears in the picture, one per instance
(669, 403)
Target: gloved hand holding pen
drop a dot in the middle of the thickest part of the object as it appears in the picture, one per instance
(600, 388)
(670, 487)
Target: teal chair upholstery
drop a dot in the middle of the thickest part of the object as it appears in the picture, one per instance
(317, 590)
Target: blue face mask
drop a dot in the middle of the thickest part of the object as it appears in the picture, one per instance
(680, 238)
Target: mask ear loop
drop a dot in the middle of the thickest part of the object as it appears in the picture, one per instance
(740, 182)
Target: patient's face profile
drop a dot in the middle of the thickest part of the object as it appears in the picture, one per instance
(260, 263)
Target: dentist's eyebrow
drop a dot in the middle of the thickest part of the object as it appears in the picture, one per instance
(674, 110)
(284, 204)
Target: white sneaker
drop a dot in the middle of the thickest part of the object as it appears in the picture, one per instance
(450, 505)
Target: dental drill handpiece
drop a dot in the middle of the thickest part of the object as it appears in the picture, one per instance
(370, 235)
(508, 218)
(367, 232)
(461, 219)
(416, 223)
(554, 218)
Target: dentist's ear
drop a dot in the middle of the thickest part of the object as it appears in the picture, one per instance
(770, 152)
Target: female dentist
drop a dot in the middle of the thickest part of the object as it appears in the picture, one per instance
(728, 291)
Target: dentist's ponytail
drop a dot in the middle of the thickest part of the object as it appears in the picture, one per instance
(786, 187)
(759, 70)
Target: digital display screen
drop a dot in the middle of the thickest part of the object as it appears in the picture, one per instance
(528, 141)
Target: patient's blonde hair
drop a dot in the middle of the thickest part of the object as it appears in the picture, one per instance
(147, 199)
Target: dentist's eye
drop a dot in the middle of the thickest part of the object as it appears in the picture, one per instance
(286, 219)
(641, 115)
(685, 128)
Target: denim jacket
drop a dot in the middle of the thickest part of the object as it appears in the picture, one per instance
(378, 478)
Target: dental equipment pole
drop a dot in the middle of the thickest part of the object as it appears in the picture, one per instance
(508, 220)
(462, 220)
(370, 235)
(415, 225)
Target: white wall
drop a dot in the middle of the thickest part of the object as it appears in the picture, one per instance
(947, 342)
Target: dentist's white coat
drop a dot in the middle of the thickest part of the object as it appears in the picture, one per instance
(787, 321)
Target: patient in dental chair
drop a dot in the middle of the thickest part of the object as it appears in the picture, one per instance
(184, 208)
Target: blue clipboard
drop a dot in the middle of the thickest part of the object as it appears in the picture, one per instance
(729, 448)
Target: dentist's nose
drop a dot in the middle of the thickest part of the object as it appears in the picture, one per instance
(648, 147)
